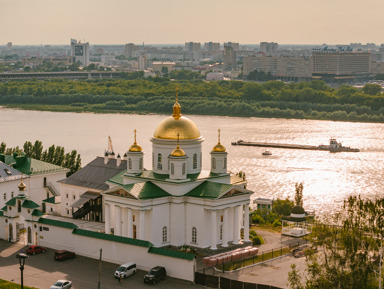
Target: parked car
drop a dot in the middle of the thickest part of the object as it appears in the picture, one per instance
(62, 284)
(62, 255)
(32, 250)
(155, 275)
(125, 270)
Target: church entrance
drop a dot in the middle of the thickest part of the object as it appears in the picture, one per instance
(10, 233)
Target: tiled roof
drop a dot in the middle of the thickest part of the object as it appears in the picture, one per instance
(30, 204)
(57, 223)
(37, 213)
(210, 190)
(95, 174)
(32, 166)
(113, 238)
(172, 253)
(8, 173)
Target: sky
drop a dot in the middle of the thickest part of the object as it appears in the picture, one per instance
(53, 22)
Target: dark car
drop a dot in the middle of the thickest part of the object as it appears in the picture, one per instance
(155, 275)
(64, 255)
(32, 250)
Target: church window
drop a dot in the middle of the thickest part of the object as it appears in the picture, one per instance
(165, 234)
(159, 159)
(134, 231)
(201, 160)
(11, 195)
(213, 163)
(221, 232)
(19, 206)
(140, 164)
(133, 218)
(225, 163)
(183, 169)
(129, 164)
(153, 160)
(221, 218)
(194, 235)
(194, 161)
(29, 235)
(169, 162)
(172, 169)
(5, 196)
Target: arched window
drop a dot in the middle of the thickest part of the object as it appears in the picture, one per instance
(159, 159)
(134, 231)
(169, 163)
(183, 169)
(19, 206)
(221, 232)
(11, 195)
(153, 160)
(165, 234)
(140, 164)
(29, 235)
(5, 196)
(225, 163)
(130, 164)
(194, 161)
(213, 163)
(172, 169)
(201, 160)
(194, 235)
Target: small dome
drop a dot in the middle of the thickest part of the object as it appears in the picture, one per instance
(297, 210)
(22, 186)
(135, 148)
(219, 148)
(178, 152)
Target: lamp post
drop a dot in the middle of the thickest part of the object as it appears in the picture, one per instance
(22, 257)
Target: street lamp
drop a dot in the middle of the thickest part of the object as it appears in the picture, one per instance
(22, 257)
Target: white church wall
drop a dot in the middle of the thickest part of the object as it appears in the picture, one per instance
(158, 224)
(6, 190)
(177, 236)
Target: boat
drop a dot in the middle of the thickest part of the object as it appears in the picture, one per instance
(266, 153)
(335, 146)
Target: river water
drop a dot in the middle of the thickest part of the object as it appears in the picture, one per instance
(328, 178)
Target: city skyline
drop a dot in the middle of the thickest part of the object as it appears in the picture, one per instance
(168, 22)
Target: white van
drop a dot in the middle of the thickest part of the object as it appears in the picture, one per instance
(125, 270)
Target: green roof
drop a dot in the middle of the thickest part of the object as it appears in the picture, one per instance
(29, 204)
(11, 202)
(4, 208)
(37, 213)
(31, 166)
(142, 191)
(57, 223)
(1, 213)
(50, 200)
(113, 238)
(210, 190)
(172, 253)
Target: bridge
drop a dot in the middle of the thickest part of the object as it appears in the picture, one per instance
(55, 75)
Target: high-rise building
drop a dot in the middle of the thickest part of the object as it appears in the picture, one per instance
(235, 46)
(143, 61)
(131, 50)
(9, 45)
(333, 63)
(268, 46)
(212, 46)
(80, 52)
(229, 58)
(194, 49)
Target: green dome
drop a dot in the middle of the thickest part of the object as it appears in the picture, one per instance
(297, 210)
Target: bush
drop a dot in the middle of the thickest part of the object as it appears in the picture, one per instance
(257, 219)
(252, 233)
(277, 223)
(257, 240)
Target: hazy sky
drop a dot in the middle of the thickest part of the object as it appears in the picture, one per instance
(179, 21)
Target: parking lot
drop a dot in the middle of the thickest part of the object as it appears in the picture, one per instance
(41, 271)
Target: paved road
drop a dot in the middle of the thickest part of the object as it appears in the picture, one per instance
(41, 271)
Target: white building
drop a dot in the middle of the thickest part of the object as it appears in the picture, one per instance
(80, 52)
(176, 203)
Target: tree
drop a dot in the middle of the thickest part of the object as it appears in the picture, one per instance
(282, 207)
(372, 89)
(299, 194)
(345, 250)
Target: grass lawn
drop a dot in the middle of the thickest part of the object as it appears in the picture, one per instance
(4, 284)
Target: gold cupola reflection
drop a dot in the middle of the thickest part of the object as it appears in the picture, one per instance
(219, 147)
(178, 151)
(135, 147)
(177, 124)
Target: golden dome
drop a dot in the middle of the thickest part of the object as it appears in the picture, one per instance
(135, 147)
(178, 152)
(169, 127)
(219, 147)
(22, 186)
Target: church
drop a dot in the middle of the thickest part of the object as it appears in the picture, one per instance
(177, 203)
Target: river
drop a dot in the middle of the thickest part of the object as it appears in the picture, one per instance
(328, 178)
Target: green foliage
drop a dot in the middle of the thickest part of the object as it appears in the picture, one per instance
(277, 223)
(294, 278)
(184, 74)
(54, 154)
(379, 76)
(372, 89)
(304, 100)
(299, 194)
(283, 207)
(4, 284)
(257, 219)
(261, 76)
(252, 233)
(345, 251)
(257, 240)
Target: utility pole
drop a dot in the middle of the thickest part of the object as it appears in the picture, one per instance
(101, 252)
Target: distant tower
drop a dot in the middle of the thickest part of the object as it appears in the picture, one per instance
(80, 52)
(229, 58)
